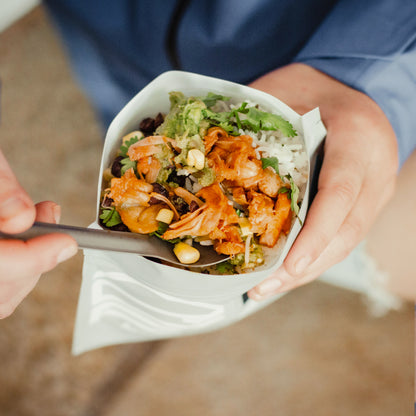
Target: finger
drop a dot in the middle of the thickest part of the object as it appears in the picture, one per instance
(12, 293)
(48, 211)
(340, 182)
(22, 259)
(17, 211)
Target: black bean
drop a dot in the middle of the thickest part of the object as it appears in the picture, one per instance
(159, 119)
(160, 189)
(116, 166)
(119, 227)
(181, 206)
(147, 126)
(193, 206)
(178, 179)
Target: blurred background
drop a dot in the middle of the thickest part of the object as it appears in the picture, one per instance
(316, 351)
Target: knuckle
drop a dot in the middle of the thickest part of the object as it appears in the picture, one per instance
(345, 191)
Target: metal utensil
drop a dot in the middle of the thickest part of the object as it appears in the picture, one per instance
(143, 245)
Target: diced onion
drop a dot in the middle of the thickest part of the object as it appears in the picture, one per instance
(247, 250)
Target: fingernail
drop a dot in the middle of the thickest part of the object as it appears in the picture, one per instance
(57, 213)
(12, 207)
(268, 287)
(67, 253)
(302, 264)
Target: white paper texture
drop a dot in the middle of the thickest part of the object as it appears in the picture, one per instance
(127, 298)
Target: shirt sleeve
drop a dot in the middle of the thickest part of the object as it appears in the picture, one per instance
(371, 46)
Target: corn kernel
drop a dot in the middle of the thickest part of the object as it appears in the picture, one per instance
(196, 159)
(129, 136)
(185, 253)
(165, 215)
(245, 226)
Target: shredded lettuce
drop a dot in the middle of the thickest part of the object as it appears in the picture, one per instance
(253, 120)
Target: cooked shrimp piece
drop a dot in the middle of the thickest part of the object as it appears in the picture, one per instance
(148, 147)
(187, 196)
(232, 243)
(130, 216)
(270, 182)
(277, 221)
(213, 135)
(260, 210)
(130, 191)
(149, 167)
(234, 159)
(239, 195)
(206, 218)
(141, 220)
(217, 234)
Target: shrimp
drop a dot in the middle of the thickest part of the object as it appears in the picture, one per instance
(270, 183)
(213, 134)
(144, 152)
(260, 210)
(207, 217)
(147, 147)
(141, 219)
(278, 222)
(232, 242)
(239, 196)
(235, 160)
(130, 191)
(149, 167)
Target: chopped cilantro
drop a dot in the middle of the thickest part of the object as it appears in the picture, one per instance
(110, 217)
(221, 119)
(125, 147)
(162, 227)
(127, 164)
(210, 99)
(270, 161)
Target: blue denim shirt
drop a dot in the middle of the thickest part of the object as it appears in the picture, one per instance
(117, 47)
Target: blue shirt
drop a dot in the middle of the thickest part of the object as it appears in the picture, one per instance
(117, 47)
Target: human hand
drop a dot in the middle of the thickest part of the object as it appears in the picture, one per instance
(22, 263)
(356, 180)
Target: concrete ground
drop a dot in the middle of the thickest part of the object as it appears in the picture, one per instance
(317, 351)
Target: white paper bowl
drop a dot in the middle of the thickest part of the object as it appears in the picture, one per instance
(154, 98)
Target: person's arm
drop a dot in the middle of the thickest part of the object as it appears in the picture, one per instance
(371, 47)
(359, 69)
(22, 263)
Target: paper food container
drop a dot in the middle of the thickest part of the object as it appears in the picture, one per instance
(127, 298)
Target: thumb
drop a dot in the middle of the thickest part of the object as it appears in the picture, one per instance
(17, 211)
